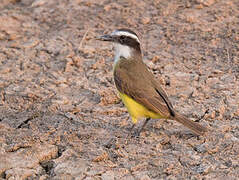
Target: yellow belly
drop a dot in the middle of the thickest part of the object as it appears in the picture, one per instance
(137, 110)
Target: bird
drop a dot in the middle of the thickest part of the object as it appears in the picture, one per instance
(139, 90)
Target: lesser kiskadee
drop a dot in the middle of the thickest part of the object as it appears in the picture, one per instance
(139, 90)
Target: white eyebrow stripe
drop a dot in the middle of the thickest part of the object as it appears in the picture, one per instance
(124, 33)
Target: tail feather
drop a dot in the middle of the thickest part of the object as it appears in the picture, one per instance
(195, 127)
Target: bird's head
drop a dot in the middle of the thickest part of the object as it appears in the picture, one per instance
(125, 41)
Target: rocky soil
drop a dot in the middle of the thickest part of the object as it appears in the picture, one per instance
(61, 117)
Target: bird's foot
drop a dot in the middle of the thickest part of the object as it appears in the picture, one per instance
(133, 132)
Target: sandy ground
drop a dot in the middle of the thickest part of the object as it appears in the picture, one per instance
(61, 117)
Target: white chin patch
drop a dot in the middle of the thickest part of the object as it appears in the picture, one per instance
(122, 51)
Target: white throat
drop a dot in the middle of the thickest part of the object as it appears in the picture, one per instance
(122, 51)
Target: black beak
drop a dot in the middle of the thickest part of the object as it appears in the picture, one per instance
(105, 38)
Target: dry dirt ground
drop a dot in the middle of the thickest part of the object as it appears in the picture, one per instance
(61, 117)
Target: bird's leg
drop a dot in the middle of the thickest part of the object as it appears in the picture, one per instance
(145, 122)
(130, 131)
(132, 128)
(137, 133)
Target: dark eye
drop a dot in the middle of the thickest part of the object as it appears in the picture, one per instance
(122, 38)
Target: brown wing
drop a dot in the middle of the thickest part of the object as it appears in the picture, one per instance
(133, 79)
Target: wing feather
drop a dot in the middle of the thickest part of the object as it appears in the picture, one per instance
(143, 88)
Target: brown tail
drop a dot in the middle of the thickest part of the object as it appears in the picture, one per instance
(195, 127)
